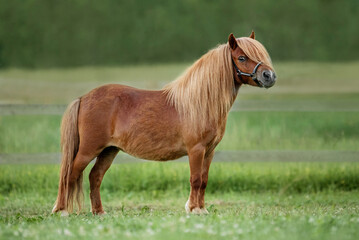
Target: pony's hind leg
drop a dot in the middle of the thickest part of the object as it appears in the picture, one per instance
(75, 180)
(73, 188)
(103, 162)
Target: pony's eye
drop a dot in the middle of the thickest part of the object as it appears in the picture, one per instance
(242, 58)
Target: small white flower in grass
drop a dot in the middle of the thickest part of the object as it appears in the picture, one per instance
(67, 232)
(25, 233)
(149, 231)
(240, 231)
(82, 231)
(199, 226)
(223, 234)
(235, 225)
(211, 231)
(311, 220)
(182, 219)
(100, 227)
(128, 234)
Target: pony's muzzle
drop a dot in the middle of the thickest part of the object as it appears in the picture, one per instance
(268, 78)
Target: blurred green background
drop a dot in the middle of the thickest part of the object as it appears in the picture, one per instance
(50, 33)
(288, 164)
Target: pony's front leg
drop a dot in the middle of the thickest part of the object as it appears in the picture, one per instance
(205, 169)
(195, 155)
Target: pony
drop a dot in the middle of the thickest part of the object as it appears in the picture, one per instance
(187, 117)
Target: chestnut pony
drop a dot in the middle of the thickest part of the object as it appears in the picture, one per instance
(186, 117)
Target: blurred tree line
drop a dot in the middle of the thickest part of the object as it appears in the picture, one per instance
(62, 33)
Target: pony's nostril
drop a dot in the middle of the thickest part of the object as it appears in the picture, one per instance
(266, 75)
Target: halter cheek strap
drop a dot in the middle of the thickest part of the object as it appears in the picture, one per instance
(252, 75)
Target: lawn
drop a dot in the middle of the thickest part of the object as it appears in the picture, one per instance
(245, 201)
(232, 216)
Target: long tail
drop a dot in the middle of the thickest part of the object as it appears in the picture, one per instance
(69, 147)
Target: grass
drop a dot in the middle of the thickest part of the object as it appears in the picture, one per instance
(29, 134)
(235, 216)
(246, 201)
(291, 131)
(154, 177)
(245, 131)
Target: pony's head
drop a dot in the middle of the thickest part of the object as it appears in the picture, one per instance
(251, 62)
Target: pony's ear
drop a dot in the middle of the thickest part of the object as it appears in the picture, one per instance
(252, 35)
(232, 41)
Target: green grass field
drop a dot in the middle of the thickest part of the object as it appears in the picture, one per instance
(245, 201)
(313, 109)
(234, 216)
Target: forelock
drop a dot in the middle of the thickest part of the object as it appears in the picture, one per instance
(254, 50)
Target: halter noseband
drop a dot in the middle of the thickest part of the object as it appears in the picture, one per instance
(252, 75)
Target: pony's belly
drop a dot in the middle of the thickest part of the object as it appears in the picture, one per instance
(155, 151)
(152, 147)
(157, 156)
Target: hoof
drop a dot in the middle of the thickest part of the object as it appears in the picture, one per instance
(64, 213)
(196, 210)
(187, 207)
(204, 211)
(54, 210)
(103, 213)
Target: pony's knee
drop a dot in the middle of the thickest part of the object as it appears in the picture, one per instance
(196, 181)
(203, 185)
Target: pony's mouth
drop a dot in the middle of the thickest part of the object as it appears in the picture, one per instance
(266, 79)
(258, 82)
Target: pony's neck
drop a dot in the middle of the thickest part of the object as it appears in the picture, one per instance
(235, 91)
(206, 91)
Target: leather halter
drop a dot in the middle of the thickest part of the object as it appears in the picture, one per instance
(252, 75)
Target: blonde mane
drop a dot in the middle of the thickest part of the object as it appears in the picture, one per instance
(205, 92)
